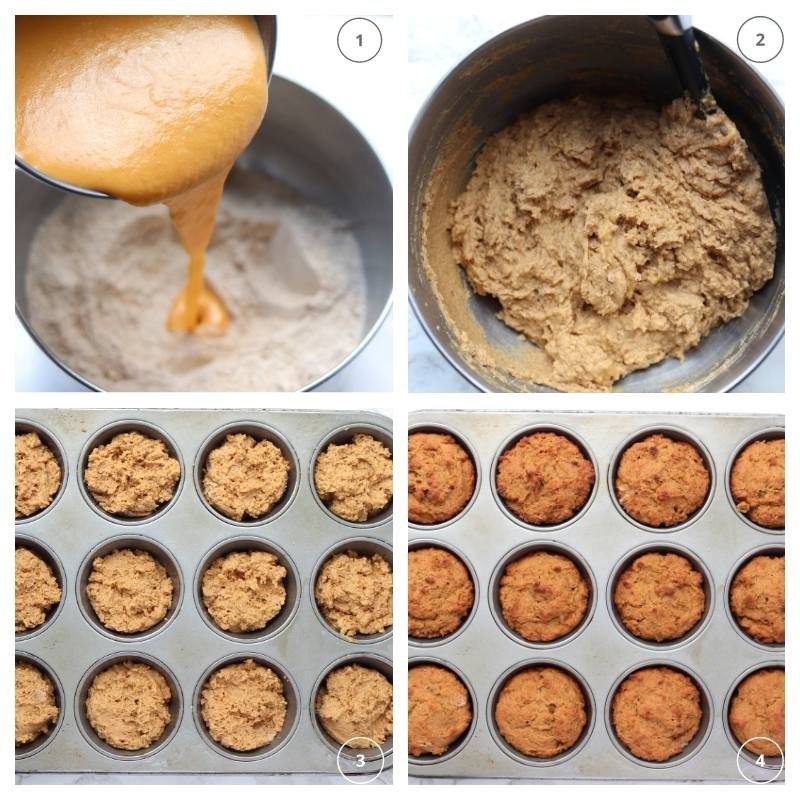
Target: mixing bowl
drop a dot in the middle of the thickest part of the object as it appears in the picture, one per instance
(554, 57)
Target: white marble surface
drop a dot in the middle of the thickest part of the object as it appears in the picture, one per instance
(435, 46)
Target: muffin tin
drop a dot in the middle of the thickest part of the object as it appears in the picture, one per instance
(73, 646)
(602, 539)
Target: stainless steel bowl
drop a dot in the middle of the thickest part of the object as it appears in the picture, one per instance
(304, 142)
(560, 56)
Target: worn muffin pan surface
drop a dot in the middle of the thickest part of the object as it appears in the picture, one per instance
(602, 540)
(73, 645)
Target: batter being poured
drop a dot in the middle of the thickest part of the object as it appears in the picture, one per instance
(147, 109)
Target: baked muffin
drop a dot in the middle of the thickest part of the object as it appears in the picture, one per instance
(244, 591)
(440, 593)
(354, 705)
(35, 708)
(354, 593)
(354, 479)
(127, 705)
(36, 590)
(37, 475)
(758, 483)
(660, 596)
(131, 476)
(439, 710)
(129, 590)
(757, 709)
(441, 478)
(244, 478)
(661, 481)
(656, 712)
(541, 711)
(543, 596)
(545, 478)
(758, 599)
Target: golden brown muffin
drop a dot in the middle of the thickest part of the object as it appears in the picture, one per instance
(545, 478)
(543, 596)
(243, 705)
(758, 599)
(758, 482)
(129, 590)
(354, 480)
(541, 711)
(660, 596)
(441, 478)
(37, 475)
(439, 710)
(35, 709)
(656, 712)
(354, 593)
(661, 481)
(132, 475)
(245, 478)
(36, 590)
(244, 591)
(354, 705)
(127, 705)
(758, 710)
(440, 593)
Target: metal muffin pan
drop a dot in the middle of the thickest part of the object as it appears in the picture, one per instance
(73, 646)
(485, 653)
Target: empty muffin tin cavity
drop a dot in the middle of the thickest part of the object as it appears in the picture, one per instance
(38, 744)
(765, 435)
(470, 450)
(290, 692)
(559, 430)
(662, 549)
(677, 434)
(175, 706)
(259, 431)
(22, 426)
(345, 435)
(48, 555)
(362, 546)
(697, 741)
(103, 437)
(291, 584)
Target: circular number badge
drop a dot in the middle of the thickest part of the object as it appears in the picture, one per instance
(755, 772)
(359, 40)
(360, 762)
(760, 39)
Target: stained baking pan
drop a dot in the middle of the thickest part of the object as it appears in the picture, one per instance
(601, 540)
(72, 646)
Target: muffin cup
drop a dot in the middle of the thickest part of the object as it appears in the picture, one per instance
(697, 741)
(345, 435)
(292, 584)
(470, 450)
(771, 763)
(764, 550)
(290, 692)
(27, 426)
(259, 431)
(548, 547)
(461, 742)
(578, 441)
(661, 548)
(104, 436)
(370, 661)
(38, 744)
(88, 732)
(132, 542)
(48, 555)
(679, 435)
(766, 434)
(510, 750)
(417, 641)
(363, 546)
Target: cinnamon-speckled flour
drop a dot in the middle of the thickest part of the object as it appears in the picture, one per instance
(101, 275)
